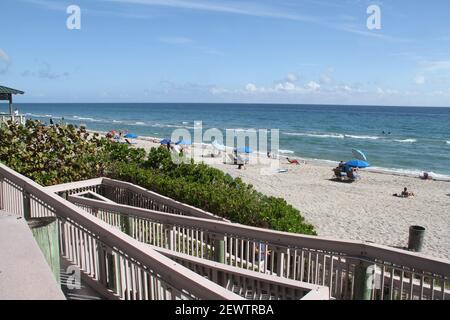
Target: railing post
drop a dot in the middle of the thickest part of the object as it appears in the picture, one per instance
(172, 238)
(219, 248)
(26, 205)
(125, 224)
(1, 192)
(364, 280)
(280, 262)
(102, 264)
(112, 280)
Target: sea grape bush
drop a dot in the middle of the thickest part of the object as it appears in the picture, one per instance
(63, 153)
(50, 155)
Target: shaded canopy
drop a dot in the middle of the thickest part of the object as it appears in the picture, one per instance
(6, 94)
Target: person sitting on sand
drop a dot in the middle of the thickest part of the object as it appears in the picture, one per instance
(354, 174)
(405, 193)
(426, 176)
(294, 161)
(351, 174)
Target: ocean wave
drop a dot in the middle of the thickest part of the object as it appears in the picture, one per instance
(448, 142)
(159, 125)
(408, 172)
(406, 140)
(78, 118)
(315, 135)
(285, 151)
(361, 137)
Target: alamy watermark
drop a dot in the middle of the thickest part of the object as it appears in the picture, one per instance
(73, 21)
(238, 146)
(374, 19)
(73, 279)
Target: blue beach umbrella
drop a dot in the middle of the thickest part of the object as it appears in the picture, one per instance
(131, 136)
(358, 154)
(165, 141)
(184, 143)
(357, 164)
(244, 150)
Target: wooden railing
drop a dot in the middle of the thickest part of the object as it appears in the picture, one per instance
(116, 265)
(130, 194)
(5, 117)
(351, 269)
(249, 284)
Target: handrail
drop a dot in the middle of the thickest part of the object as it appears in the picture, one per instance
(74, 185)
(354, 249)
(313, 291)
(171, 272)
(191, 210)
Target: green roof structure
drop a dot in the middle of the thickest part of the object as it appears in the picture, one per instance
(6, 90)
(7, 93)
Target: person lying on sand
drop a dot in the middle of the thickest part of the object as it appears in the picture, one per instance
(405, 194)
(294, 161)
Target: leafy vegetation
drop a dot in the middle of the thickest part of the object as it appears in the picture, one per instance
(64, 153)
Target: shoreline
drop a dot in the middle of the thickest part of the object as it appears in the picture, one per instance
(412, 173)
(364, 210)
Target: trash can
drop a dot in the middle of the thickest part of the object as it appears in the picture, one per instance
(45, 232)
(416, 235)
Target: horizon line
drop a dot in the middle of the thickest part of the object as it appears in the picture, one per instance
(245, 103)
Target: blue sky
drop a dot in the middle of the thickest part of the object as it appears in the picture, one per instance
(284, 51)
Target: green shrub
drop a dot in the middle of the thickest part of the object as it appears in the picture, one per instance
(65, 153)
(50, 155)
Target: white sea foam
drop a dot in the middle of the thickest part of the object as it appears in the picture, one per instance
(408, 172)
(448, 142)
(159, 125)
(406, 140)
(85, 119)
(315, 135)
(285, 151)
(362, 137)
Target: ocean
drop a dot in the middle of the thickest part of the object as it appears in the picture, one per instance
(405, 140)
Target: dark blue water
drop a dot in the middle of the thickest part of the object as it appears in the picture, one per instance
(419, 138)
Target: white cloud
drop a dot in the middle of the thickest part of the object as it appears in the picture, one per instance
(257, 9)
(292, 77)
(250, 87)
(285, 86)
(45, 71)
(175, 40)
(3, 55)
(5, 61)
(436, 65)
(217, 91)
(312, 85)
(419, 79)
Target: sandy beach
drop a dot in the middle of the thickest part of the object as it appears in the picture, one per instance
(364, 210)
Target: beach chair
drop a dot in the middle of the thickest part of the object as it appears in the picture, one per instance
(242, 159)
(229, 158)
(339, 175)
(129, 142)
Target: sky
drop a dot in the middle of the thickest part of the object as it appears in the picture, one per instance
(248, 51)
